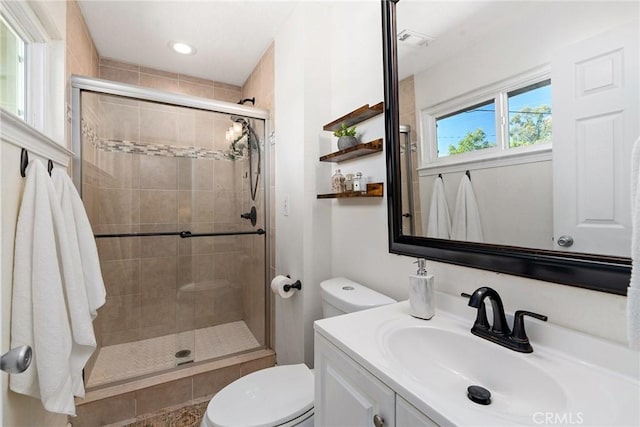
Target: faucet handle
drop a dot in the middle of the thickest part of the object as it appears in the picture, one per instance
(519, 334)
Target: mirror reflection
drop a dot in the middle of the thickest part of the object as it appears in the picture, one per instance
(517, 122)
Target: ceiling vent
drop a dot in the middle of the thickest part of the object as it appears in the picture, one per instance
(413, 39)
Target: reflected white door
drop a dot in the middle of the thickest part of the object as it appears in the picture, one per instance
(595, 122)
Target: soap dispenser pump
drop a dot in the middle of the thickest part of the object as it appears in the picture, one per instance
(422, 292)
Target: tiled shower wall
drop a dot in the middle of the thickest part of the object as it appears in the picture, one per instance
(151, 193)
(260, 85)
(407, 106)
(161, 285)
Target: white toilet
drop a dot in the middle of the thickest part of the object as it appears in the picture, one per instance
(283, 395)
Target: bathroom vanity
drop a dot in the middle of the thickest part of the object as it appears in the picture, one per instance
(384, 367)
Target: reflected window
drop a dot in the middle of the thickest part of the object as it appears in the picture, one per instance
(12, 70)
(530, 115)
(471, 129)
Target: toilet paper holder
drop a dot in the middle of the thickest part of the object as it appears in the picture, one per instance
(295, 285)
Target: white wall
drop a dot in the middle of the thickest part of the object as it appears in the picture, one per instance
(357, 229)
(303, 241)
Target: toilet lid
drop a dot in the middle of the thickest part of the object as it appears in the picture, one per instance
(263, 398)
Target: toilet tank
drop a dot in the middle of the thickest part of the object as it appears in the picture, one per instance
(341, 295)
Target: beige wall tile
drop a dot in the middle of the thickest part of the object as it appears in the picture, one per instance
(158, 82)
(195, 174)
(119, 206)
(158, 246)
(158, 275)
(198, 80)
(227, 95)
(117, 248)
(154, 398)
(227, 86)
(120, 313)
(118, 64)
(257, 365)
(158, 206)
(121, 277)
(106, 411)
(159, 73)
(158, 126)
(119, 75)
(195, 89)
(159, 311)
(208, 384)
(158, 172)
(195, 206)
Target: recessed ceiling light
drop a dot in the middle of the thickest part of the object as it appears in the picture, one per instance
(182, 48)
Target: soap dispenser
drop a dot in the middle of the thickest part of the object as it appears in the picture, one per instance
(422, 292)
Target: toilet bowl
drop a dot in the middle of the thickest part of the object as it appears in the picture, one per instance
(282, 396)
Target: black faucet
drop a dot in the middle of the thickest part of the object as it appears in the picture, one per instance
(499, 332)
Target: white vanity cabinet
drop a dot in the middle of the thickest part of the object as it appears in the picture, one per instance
(346, 394)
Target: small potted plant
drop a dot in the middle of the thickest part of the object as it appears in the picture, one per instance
(346, 136)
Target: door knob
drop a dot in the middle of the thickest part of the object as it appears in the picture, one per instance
(565, 241)
(16, 360)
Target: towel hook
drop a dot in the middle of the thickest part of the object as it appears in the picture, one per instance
(468, 174)
(49, 166)
(440, 175)
(24, 162)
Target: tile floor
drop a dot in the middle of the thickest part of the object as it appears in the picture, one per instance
(124, 361)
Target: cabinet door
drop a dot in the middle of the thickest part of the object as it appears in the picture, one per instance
(407, 415)
(346, 395)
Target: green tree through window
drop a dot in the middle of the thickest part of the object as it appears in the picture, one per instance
(474, 140)
(530, 126)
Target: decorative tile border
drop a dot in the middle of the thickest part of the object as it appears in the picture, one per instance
(166, 150)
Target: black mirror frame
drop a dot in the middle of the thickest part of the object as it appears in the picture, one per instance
(600, 273)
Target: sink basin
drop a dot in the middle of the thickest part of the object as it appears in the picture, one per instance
(449, 362)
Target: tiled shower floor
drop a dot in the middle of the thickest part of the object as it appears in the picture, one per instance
(123, 361)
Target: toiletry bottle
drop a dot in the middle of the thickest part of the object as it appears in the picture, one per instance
(337, 182)
(422, 292)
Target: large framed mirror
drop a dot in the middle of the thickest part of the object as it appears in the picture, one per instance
(509, 130)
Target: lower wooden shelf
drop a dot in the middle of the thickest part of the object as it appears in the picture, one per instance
(374, 189)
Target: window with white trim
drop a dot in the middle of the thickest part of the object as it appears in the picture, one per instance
(514, 115)
(12, 70)
(32, 64)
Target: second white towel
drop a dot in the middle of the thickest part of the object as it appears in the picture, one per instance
(87, 293)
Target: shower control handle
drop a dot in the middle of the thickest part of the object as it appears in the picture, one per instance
(252, 215)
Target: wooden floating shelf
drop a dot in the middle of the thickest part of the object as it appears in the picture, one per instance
(374, 189)
(359, 150)
(356, 116)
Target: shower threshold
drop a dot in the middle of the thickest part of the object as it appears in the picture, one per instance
(134, 359)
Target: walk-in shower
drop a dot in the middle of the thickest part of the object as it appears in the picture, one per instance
(168, 194)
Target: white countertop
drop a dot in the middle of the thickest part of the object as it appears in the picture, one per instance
(598, 381)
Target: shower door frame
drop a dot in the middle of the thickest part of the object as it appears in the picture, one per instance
(106, 87)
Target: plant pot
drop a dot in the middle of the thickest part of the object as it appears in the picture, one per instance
(346, 142)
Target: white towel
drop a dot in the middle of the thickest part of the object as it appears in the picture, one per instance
(466, 217)
(86, 293)
(439, 225)
(76, 218)
(633, 291)
(39, 314)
